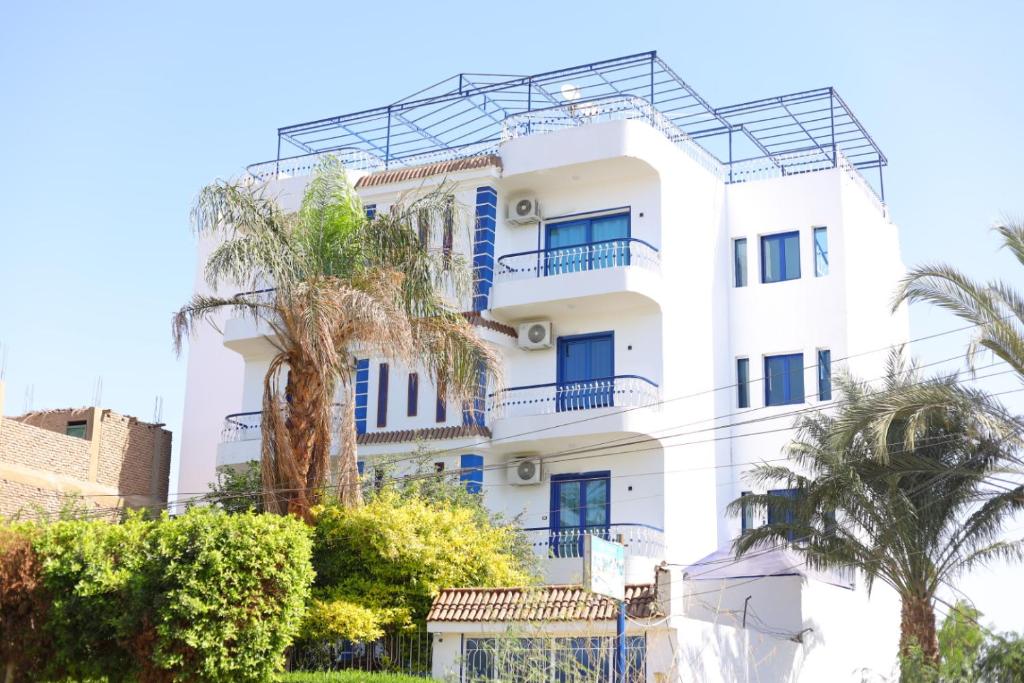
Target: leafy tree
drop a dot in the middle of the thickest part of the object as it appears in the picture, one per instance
(960, 642)
(905, 496)
(343, 283)
(237, 487)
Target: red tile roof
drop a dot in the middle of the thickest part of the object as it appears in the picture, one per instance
(475, 318)
(430, 434)
(544, 603)
(427, 170)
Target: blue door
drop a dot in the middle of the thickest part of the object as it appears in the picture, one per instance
(580, 505)
(587, 244)
(586, 369)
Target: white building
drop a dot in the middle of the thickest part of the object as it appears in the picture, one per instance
(643, 261)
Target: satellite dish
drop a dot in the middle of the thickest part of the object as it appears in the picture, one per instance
(570, 92)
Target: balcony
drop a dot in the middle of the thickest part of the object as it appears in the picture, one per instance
(562, 549)
(617, 273)
(239, 432)
(629, 391)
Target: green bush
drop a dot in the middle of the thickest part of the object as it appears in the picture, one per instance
(348, 677)
(206, 596)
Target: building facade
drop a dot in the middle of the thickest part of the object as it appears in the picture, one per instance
(90, 458)
(669, 285)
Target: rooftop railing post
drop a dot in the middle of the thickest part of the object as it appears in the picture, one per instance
(277, 162)
(832, 124)
(387, 144)
(881, 183)
(730, 154)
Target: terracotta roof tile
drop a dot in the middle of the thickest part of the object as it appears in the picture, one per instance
(427, 170)
(475, 318)
(430, 434)
(545, 603)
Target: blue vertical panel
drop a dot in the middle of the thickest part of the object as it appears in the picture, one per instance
(472, 475)
(371, 211)
(414, 395)
(824, 375)
(382, 396)
(441, 412)
(483, 245)
(361, 467)
(362, 391)
(742, 382)
(739, 258)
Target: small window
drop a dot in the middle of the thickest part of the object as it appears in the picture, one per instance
(371, 211)
(780, 257)
(824, 375)
(783, 512)
(820, 252)
(382, 396)
(747, 517)
(743, 382)
(472, 475)
(739, 260)
(439, 467)
(441, 413)
(414, 394)
(784, 379)
(76, 429)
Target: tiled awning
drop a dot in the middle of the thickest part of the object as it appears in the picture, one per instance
(430, 434)
(428, 170)
(544, 603)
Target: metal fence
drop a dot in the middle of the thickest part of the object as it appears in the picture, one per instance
(583, 659)
(628, 391)
(406, 652)
(617, 253)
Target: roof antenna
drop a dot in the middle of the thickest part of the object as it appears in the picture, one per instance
(158, 410)
(97, 394)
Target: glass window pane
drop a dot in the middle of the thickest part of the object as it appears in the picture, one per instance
(820, 252)
(795, 389)
(609, 228)
(743, 382)
(740, 262)
(569, 504)
(773, 381)
(824, 375)
(567, 234)
(597, 502)
(784, 379)
(771, 260)
(791, 256)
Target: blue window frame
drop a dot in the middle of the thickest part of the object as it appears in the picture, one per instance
(362, 393)
(382, 396)
(587, 244)
(743, 382)
(780, 257)
(820, 252)
(784, 379)
(739, 262)
(413, 398)
(580, 504)
(472, 474)
(586, 370)
(783, 513)
(824, 375)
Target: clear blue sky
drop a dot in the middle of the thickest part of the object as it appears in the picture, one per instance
(113, 116)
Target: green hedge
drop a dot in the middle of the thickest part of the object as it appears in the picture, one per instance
(206, 596)
(349, 677)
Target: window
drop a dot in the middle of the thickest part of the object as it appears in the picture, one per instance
(780, 257)
(371, 211)
(783, 512)
(441, 412)
(76, 429)
(382, 396)
(472, 474)
(414, 394)
(449, 231)
(580, 504)
(587, 244)
(743, 382)
(439, 467)
(739, 261)
(824, 375)
(362, 393)
(585, 371)
(820, 252)
(784, 379)
(747, 521)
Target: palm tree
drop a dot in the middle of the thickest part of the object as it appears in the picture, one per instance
(343, 283)
(995, 307)
(911, 496)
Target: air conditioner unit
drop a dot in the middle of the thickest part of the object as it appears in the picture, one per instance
(524, 471)
(523, 209)
(535, 334)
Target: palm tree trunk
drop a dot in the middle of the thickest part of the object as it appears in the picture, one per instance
(917, 627)
(349, 491)
(304, 405)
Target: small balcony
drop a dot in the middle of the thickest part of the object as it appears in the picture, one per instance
(541, 282)
(242, 432)
(630, 391)
(562, 549)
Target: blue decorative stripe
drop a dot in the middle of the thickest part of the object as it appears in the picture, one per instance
(483, 245)
(382, 396)
(362, 391)
(472, 472)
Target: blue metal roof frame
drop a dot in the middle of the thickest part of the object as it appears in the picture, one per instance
(798, 132)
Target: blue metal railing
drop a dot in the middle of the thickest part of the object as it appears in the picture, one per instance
(614, 253)
(641, 540)
(556, 397)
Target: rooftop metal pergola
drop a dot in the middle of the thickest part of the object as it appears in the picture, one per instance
(796, 133)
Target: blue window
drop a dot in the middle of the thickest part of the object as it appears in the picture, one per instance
(820, 252)
(360, 467)
(739, 262)
(743, 382)
(441, 411)
(414, 395)
(371, 211)
(784, 379)
(747, 518)
(824, 375)
(472, 472)
(580, 504)
(587, 244)
(780, 257)
(783, 512)
(586, 369)
(382, 396)
(362, 391)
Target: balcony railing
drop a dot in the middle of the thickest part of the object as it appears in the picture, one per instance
(641, 540)
(247, 426)
(616, 253)
(630, 391)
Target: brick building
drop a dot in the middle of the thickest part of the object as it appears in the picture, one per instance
(105, 459)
